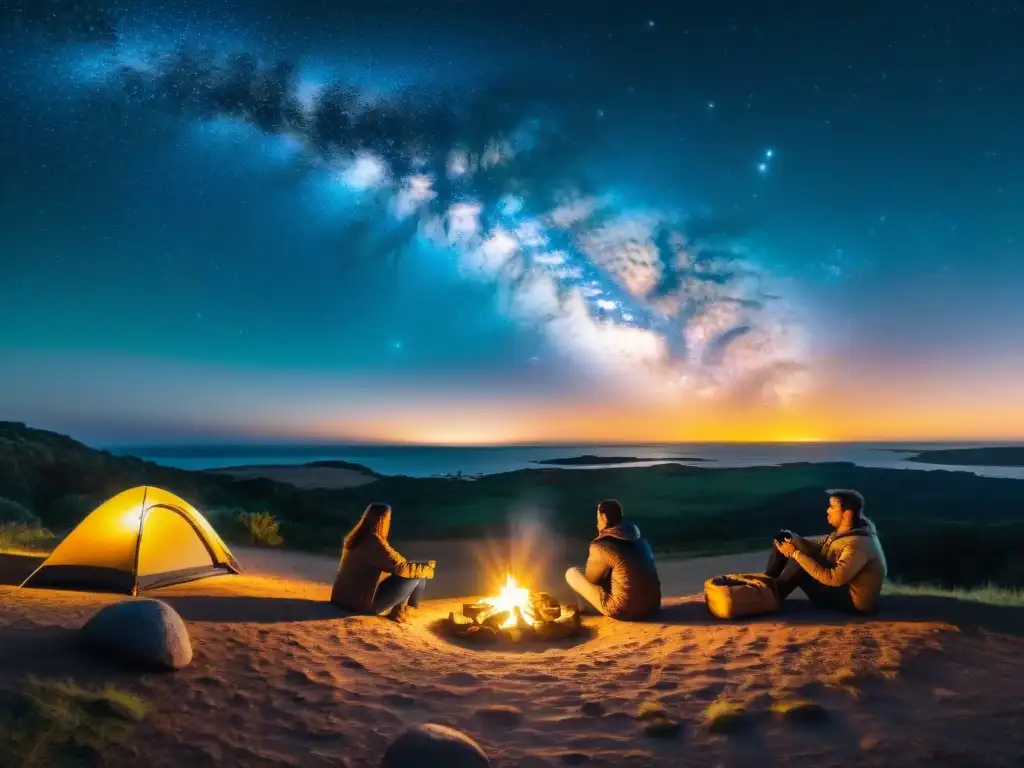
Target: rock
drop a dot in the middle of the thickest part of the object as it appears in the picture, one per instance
(140, 632)
(434, 746)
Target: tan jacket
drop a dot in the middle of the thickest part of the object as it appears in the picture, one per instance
(361, 570)
(853, 559)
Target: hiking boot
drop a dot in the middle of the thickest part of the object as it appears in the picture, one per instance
(399, 614)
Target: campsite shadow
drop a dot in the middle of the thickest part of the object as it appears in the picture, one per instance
(51, 652)
(254, 610)
(14, 569)
(967, 616)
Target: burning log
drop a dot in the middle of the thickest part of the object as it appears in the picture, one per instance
(565, 626)
(545, 607)
(473, 610)
(496, 619)
(515, 615)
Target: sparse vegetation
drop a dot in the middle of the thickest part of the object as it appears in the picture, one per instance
(657, 724)
(989, 594)
(58, 723)
(799, 711)
(650, 710)
(22, 537)
(724, 716)
(261, 528)
(13, 512)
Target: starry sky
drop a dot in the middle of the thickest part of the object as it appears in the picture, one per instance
(479, 222)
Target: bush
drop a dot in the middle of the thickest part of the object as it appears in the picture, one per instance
(54, 723)
(261, 528)
(24, 536)
(71, 509)
(13, 512)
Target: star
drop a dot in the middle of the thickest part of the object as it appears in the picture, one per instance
(769, 153)
(651, 23)
(711, 105)
(762, 167)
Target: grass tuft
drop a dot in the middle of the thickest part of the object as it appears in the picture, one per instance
(990, 594)
(650, 710)
(54, 723)
(723, 716)
(24, 538)
(800, 711)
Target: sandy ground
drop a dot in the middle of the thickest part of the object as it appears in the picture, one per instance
(300, 475)
(281, 678)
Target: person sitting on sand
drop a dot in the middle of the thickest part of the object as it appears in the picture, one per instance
(842, 571)
(366, 555)
(621, 580)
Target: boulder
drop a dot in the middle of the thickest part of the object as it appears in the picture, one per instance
(434, 746)
(141, 633)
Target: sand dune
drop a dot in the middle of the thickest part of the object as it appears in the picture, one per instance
(281, 678)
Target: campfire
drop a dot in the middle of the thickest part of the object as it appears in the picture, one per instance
(515, 614)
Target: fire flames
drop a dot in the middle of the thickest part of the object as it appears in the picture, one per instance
(510, 597)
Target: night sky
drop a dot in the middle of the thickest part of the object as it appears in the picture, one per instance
(461, 222)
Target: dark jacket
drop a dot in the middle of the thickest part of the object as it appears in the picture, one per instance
(622, 563)
(361, 569)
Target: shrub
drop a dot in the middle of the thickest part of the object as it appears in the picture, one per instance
(13, 512)
(53, 723)
(71, 509)
(22, 536)
(261, 528)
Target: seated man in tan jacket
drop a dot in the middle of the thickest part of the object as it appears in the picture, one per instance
(842, 571)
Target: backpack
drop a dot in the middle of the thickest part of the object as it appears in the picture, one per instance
(733, 595)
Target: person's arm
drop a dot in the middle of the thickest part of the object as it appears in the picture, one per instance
(808, 545)
(392, 562)
(849, 563)
(598, 567)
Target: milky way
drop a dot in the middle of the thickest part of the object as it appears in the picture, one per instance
(669, 305)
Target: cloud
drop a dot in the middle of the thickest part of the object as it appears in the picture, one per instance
(672, 305)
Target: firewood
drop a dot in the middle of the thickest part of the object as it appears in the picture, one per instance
(495, 620)
(473, 610)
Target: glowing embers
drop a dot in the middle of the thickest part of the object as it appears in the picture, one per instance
(515, 615)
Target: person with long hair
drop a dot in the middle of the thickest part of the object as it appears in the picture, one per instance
(365, 556)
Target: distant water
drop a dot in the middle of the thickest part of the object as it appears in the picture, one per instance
(426, 461)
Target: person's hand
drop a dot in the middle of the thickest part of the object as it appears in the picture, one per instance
(787, 548)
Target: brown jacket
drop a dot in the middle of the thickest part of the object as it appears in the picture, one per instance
(853, 559)
(361, 570)
(621, 562)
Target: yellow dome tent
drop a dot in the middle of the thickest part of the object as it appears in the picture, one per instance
(143, 538)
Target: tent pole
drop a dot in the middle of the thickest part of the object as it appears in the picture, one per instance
(138, 544)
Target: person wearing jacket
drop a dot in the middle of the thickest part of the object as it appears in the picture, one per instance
(621, 580)
(365, 557)
(842, 571)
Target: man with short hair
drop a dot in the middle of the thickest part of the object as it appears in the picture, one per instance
(842, 571)
(621, 580)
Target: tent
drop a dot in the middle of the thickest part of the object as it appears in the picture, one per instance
(143, 538)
